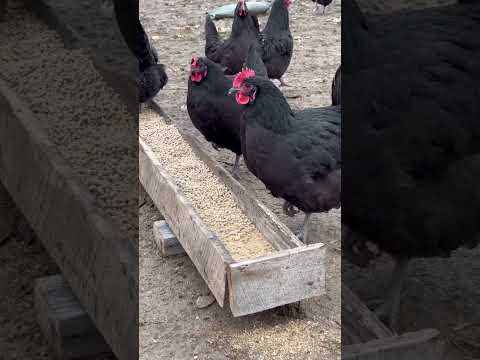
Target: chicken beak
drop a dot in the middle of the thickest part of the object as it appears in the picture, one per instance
(232, 91)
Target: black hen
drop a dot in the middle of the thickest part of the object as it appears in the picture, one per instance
(231, 53)
(152, 76)
(295, 154)
(254, 62)
(276, 41)
(215, 114)
(151, 81)
(324, 3)
(412, 127)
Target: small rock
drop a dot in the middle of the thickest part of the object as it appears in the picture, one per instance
(204, 301)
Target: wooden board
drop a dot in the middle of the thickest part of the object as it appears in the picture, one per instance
(277, 279)
(166, 239)
(206, 251)
(99, 264)
(421, 345)
(359, 324)
(64, 323)
(277, 233)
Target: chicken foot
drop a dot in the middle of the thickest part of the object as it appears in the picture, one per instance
(388, 312)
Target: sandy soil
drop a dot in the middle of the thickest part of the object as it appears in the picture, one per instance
(171, 327)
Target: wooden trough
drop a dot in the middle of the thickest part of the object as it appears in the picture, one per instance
(291, 273)
(98, 262)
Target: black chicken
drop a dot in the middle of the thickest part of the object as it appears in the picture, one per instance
(412, 127)
(215, 114)
(254, 62)
(152, 76)
(150, 82)
(324, 3)
(231, 53)
(295, 154)
(337, 87)
(276, 41)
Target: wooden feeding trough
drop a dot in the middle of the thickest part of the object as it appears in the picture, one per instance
(98, 262)
(292, 272)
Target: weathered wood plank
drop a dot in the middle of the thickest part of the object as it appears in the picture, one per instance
(359, 324)
(206, 251)
(166, 239)
(426, 344)
(100, 265)
(64, 323)
(277, 279)
(277, 233)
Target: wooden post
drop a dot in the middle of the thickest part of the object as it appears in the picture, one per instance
(64, 323)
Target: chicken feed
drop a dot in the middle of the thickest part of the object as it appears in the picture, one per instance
(82, 116)
(210, 197)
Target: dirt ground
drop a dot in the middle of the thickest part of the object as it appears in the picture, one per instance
(21, 262)
(171, 327)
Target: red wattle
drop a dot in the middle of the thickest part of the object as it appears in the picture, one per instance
(196, 77)
(242, 99)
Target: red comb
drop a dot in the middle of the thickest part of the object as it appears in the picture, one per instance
(242, 76)
(194, 59)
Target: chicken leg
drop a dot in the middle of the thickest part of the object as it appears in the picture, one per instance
(236, 167)
(283, 83)
(317, 9)
(388, 311)
(303, 234)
